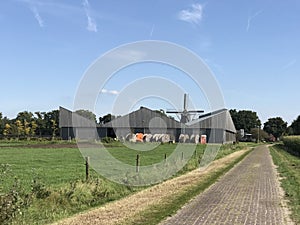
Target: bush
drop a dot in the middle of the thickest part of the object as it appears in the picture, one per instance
(292, 144)
(13, 203)
(39, 189)
(107, 140)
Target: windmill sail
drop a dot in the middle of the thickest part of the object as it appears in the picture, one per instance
(185, 114)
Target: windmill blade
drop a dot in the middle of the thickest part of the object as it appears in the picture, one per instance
(196, 111)
(185, 114)
(185, 102)
(173, 111)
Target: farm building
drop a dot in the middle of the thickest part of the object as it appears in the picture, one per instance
(217, 126)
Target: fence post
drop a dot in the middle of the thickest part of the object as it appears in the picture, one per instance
(137, 168)
(87, 165)
(182, 156)
(165, 157)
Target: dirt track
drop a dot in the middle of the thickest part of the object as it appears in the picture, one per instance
(121, 210)
(248, 194)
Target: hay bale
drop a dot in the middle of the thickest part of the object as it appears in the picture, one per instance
(147, 137)
(195, 138)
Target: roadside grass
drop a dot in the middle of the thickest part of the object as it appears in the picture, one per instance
(33, 141)
(54, 178)
(289, 170)
(157, 213)
(53, 181)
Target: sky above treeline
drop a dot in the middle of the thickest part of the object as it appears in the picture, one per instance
(251, 48)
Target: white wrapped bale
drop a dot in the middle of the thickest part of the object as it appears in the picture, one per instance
(183, 138)
(194, 138)
(131, 137)
(165, 138)
(187, 138)
(155, 138)
(147, 137)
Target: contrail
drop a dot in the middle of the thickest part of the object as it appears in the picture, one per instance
(152, 30)
(251, 18)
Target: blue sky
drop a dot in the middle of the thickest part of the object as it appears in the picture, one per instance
(252, 47)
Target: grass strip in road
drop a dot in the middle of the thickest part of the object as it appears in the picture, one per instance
(289, 169)
(158, 212)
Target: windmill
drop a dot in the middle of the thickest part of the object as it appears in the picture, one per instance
(185, 114)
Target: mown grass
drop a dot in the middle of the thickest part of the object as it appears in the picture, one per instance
(156, 155)
(55, 178)
(31, 142)
(289, 169)
(55, 167)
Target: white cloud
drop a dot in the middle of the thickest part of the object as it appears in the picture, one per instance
(92, 25)
(111, 92)
(37, 16)
(192, 15)
(60, 9)
(33, 8)
(250, 18)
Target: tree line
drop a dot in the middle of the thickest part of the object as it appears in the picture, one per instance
(40, 124)
(274, 127)
(28, 125)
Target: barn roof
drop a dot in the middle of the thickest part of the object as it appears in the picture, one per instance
(220, 119)
(68, 118)
(144, 117)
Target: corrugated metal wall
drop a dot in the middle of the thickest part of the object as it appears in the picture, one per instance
(218, 125)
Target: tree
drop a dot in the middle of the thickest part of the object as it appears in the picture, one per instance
(7, 130)
(20, 128)
(48, 117)
(296, 126)
(262, 134)
(27, 128)
(107, 118)
(54, 128)
(245, 119)
(1, 124)
(275, 126)
(87, 114)
(40, 123)
(25, 116)
(33, 128)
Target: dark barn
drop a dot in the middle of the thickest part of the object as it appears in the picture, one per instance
(217, 126)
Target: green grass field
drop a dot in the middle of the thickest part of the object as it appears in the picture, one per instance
(60, 189)
(54, 166)
(289, 169)
(58, 166)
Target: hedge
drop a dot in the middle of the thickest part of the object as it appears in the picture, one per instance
(292, 143)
